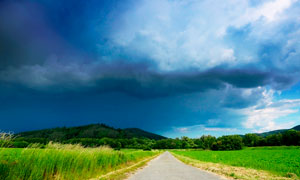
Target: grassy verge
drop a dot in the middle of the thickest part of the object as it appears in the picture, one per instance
(65, 162)
(250, 163)
(125, 172)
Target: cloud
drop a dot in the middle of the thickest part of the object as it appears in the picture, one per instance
(221, 129)
(264, 115)
(213, 122)
(169, 46)
(216, 58)
(182, 130)
(26, 36)
(139, 79)
(271, 11)
(179, 35)
(198, 130)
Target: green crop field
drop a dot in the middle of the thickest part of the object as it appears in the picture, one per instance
(278, 160)
(66, 162)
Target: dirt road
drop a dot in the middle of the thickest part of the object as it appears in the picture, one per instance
(167, 167)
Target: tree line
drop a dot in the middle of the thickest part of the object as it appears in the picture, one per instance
(230, 142)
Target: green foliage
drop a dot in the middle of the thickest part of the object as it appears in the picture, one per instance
(20, 144)
(205, 142)
(187, 143)
(183, 143)
(147, 148)
(265, 134)
(282, 160)
(58, 161)
(291, 137)
(5, 139)
(97, 131)
(297, 128)
(288, 138)
(251, 140)
(100, 134)
(233, 142)
(274, 140)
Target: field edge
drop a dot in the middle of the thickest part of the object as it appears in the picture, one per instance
(125, 172)
(233, 172)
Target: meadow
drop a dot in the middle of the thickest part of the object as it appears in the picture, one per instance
(283, 161)
(59, 161)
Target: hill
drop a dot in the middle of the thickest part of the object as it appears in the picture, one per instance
(296, 128)
(89, 131)
(139, 133)
(264, 134)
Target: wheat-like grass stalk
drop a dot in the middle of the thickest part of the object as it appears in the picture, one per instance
(5, 138)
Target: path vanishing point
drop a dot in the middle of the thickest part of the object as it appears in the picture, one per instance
(167, 167)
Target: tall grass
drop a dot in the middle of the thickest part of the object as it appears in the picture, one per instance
(5, 138)
(58, 161)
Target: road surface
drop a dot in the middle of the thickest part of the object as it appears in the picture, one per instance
(167, 167)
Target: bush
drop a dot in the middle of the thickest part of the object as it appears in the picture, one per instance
(147, 148)
(20, 144)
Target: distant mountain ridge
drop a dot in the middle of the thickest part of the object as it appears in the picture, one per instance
(264, 134)
(89, 131)
(296, 128)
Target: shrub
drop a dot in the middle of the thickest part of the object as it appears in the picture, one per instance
(147, 148)
(20, 144)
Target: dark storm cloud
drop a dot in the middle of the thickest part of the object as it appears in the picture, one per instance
(35, 109)
(142, 63)
(136, 79)
(25, 36)
(164, 84)
(30, 31)
(52, 46)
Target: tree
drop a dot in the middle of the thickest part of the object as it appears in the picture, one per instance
(232, 142)
(291, 137)
(187, 143)
(274, 140)
(205, 142)
(251, 140)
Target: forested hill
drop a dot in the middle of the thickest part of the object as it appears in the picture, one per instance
(297, 128)
(89, 131)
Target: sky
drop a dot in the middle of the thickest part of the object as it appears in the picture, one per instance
(172, 67)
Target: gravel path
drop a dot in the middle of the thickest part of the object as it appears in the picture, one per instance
(167, 167)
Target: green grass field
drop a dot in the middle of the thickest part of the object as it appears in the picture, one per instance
(64, 162)
(278, 160)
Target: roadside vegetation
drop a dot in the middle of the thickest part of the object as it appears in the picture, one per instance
(102, 135)
(282, 161)
(96, 150)
(64, 161)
